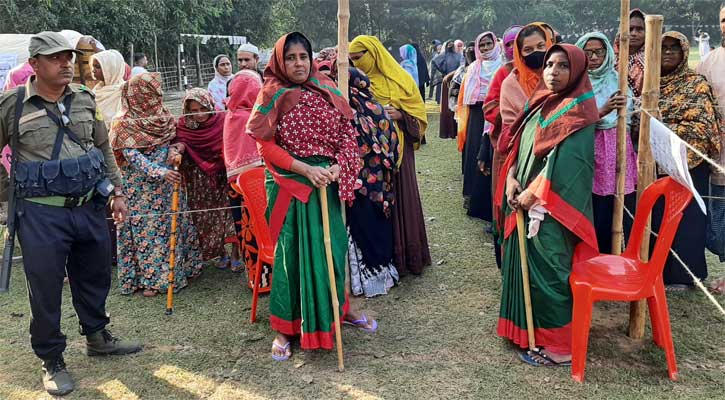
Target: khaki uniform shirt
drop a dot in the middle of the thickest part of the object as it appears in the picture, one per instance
(38, 131)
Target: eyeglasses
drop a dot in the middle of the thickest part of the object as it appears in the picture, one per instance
(599, 52)
(672, 49)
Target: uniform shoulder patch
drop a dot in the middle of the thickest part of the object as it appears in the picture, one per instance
(99, 114)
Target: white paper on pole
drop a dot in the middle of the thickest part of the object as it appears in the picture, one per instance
(670, 153)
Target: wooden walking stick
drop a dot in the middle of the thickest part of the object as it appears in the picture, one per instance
(172, 242)
(645, 161)
(331, 273)
(621, 170)
(525, 278)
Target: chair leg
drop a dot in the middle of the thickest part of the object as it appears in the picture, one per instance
(255, 289)
(663, 322)
(581, 322)
(654, 318)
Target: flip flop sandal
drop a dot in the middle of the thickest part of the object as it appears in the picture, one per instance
(237, 266)
(285, 348)
(223, 263)
(362, 323)
(539, 359)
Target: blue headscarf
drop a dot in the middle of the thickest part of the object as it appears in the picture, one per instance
(409, 61)
(605, 80)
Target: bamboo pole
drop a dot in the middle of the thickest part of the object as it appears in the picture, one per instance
(343, 65)
(645, 161)
(331, 274)
(621, 170)
(521, 227)
(172, 243)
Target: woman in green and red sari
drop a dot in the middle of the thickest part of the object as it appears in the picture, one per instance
(549, 172)
(302, 126)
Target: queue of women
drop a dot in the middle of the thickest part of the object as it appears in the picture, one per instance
(535, 119)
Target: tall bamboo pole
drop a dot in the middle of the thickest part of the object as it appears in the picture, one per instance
(343, 64)
(621, 171)
(645, 161)
(343, 21)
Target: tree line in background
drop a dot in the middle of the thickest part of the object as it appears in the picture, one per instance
(117, 24)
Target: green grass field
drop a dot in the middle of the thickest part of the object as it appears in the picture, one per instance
(436, 338)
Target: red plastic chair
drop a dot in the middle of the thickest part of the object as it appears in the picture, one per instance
(627, 278)
(251, 185)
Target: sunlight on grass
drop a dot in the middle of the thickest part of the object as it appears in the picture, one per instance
(13, 392)
(202, 386)
(116, 390)
(357, 394)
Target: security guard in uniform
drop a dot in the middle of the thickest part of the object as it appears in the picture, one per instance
(65, 176)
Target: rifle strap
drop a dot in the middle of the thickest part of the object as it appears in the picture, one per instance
(14, 138)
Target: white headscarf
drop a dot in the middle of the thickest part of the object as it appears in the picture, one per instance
(108, 91)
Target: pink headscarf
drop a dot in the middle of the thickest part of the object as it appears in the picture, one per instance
(240, 149)
(18, 76)
(481, 71)
(509, 36)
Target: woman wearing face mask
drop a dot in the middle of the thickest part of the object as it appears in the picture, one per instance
(492, 113)
(302, 126)
(199, 139)
(475, 142)
(689, 108)
(530, 46)
(553, 137)
(396, 90)
(218, 86)
(605, 81)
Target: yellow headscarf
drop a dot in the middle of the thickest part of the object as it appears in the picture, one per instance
(389, 82)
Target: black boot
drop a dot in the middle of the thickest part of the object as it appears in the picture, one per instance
(103, 343)
(56, 379)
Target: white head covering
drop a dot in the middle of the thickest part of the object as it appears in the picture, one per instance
(108, 91)
(249, 48)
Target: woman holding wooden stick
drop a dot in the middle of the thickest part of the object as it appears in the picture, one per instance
(550, 167)
(140, 136)
(302, 126)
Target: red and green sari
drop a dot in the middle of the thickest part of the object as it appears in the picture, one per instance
(553, 152)
(564, 178)
(300, 302)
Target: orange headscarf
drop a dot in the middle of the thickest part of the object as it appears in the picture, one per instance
(528, 78)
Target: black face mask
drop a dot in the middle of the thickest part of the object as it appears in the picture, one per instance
(535, 60)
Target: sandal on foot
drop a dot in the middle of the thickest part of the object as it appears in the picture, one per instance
(362, 323)
(540, 359)
(285, 348)
(237, 266)
(223, 263)
(150, 293)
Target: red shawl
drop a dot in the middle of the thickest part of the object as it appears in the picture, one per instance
(240, 149)
(279, 95)
(203, 140)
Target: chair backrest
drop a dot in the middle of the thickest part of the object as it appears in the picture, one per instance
(676, 198)
(251, 184)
